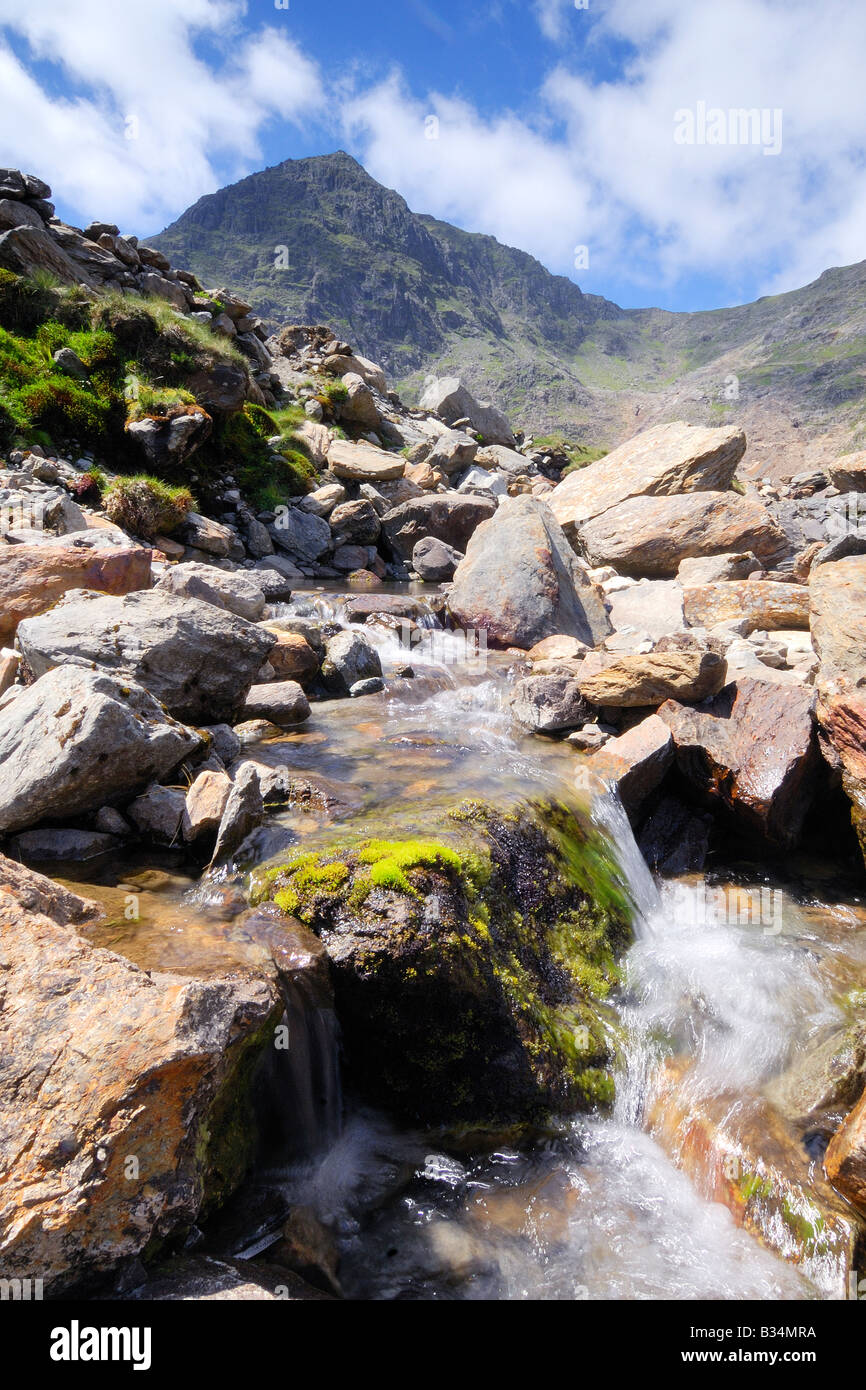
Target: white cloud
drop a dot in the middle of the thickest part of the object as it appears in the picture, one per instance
(597, 163)
(139, 75)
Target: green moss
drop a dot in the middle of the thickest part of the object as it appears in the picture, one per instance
(496, 936)
(392, 860)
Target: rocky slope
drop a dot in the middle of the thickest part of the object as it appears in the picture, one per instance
(418, 295)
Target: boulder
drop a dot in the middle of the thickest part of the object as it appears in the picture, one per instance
(836, 593)
(650, 610)
(293, 658)
(451, 452)
(277, 577)
(234, 590)
(222, 387)
(477, 480)
(650, 678)
(202, 533)
(359, 407)
(426, 937)
(549, 702)
(848, 473)
(323, 500)
(760, 605)
(351, 558)
(198, 660)
(303, 534)
(364, 463)
(752, 750)
(158, 814)
(448, 398)
(446, 516)
(711, 569)
(338, 364)
(661, 461)
(280, 702)
(434, 561)
(168, 442)
(31, 250)
(349, 657)
(33, 577)
(79, 738)
(650, 536)
(636, 762)
(105, 1063)
(559, 647)
(355, 523)
(42, 846)
(17, 214)
(520, 581)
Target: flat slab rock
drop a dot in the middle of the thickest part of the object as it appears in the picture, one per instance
(762, 604)
(661, 461)
(651, 536)
(364, 463)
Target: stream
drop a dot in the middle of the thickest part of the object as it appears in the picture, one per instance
(730, 976)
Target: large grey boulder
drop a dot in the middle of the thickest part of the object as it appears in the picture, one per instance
(237, 592)
(198, 660)
(78, 739)
(434, 561)
(451, 401)
(446, 516)
(521, 581)
(452, 451)
(664, 460)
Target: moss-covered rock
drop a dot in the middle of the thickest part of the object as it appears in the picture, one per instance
(470, 963)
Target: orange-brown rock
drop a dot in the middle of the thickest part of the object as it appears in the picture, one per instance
(124, 1095)
(753, 750)
(837, 593)
(764, 604)
(738, 1150)
(293, 658)
(845, 1159)
(32, 577)
(650, 678)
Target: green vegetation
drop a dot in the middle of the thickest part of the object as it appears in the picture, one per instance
(140, 358)
(146, 506)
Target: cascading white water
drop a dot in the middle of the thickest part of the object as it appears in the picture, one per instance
(732, 996)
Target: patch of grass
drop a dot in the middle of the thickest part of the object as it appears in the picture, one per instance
(147, 506)
(143, 399)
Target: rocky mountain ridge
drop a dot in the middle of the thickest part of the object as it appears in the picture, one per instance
(319, 240)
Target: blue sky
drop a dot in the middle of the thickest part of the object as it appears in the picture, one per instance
(599, 138)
